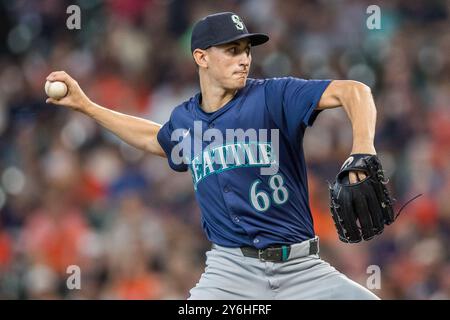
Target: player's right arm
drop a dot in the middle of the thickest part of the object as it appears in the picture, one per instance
(138, 132)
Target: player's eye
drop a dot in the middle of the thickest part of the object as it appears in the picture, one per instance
(233, 50)
(237, 50)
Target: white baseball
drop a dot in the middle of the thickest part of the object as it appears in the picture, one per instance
(55, 89)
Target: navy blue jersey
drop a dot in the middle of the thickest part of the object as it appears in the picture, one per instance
(241, 206)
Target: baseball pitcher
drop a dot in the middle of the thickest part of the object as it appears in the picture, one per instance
(241, 140)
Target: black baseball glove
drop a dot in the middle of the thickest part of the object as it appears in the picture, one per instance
(361, 210)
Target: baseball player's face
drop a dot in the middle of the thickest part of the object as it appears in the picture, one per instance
(229, 64)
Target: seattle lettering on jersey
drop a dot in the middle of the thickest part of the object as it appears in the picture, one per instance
(240, 148)
(231, 156)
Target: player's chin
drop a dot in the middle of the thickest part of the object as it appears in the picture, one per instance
(240, 81)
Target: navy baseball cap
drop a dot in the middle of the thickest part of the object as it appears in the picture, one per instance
(221, 28)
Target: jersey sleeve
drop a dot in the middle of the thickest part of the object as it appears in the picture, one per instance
(167, 144)
(291, 102)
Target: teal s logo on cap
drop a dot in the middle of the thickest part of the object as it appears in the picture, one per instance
(238, 22)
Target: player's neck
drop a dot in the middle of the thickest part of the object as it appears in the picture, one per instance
(214, 97)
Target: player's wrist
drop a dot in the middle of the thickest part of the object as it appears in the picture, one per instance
(86, 106)
(363, 149)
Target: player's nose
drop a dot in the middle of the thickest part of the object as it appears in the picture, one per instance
(244, 60)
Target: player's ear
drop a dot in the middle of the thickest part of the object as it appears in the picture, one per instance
(200, 58)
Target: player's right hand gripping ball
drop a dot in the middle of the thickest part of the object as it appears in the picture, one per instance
(361, 210)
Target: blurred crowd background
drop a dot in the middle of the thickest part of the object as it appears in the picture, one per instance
(71, 193)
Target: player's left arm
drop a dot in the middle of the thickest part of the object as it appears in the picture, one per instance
(356, 99)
